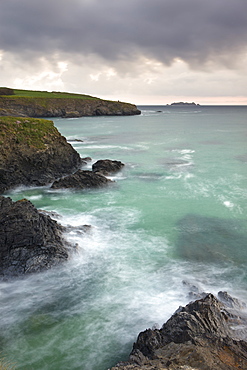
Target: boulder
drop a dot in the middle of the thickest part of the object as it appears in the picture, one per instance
(30, 240)
(107, 166)
(198, 336)
(81, 180)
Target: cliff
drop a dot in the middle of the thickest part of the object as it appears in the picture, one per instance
(24, 103)
(33, 152)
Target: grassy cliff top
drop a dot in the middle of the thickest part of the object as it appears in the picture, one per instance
(15, 93)
(32, 132)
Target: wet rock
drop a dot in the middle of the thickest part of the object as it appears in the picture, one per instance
(107, 166)
(30, 241)
(198, 336)
(87, 159)
(194, 292)
(82, 180)
(230, 301)
(78, 230)
(74, 140)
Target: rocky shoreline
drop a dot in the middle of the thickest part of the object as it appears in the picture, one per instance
(62, 107)
(207, 334)
(30, 241)
(34, 153)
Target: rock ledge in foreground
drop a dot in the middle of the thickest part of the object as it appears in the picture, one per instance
(198, 336)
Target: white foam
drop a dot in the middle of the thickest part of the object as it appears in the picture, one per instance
(228, 204)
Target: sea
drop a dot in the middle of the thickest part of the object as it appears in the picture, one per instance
(173, 220)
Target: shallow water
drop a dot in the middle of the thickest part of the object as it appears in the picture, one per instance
(177, 211)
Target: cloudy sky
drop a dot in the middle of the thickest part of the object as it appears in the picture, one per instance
(141, 51)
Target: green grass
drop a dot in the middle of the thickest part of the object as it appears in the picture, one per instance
(28, 131)
(51, 95)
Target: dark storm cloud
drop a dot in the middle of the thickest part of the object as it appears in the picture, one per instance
(196, 31)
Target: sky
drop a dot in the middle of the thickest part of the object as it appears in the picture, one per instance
(139, 51)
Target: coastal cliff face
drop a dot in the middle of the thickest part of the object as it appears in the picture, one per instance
(33, 152)
(204, 335)
(63, 107)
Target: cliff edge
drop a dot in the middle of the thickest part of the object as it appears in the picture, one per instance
(25, 103)
(33, 153)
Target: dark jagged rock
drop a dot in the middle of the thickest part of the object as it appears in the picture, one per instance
(231, 302)
(81, 180)
(75, 140)
(87, 159)
(33, 152)
(30, 240)
(107, 166)
(198, 336)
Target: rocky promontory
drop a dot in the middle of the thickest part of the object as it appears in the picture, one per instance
(33, 153)
(30, 241)
(25, 103)
(207, 334)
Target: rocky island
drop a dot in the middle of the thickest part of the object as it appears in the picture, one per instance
(183, 104)
(26, 103)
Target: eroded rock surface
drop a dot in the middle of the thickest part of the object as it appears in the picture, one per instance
(30, 240)
(199, 336)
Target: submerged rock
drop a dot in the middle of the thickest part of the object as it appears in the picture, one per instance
(30, 240)
(107, 166)
(198, 336)
(81, 180)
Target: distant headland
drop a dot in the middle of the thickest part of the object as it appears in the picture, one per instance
(28, 103)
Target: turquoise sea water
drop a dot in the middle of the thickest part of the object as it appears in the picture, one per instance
(177, 211)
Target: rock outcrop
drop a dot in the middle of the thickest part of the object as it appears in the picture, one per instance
(199, 336)
(81, 180)
(107, 166)
(63, 107)
(33, 153)
(30, 241)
